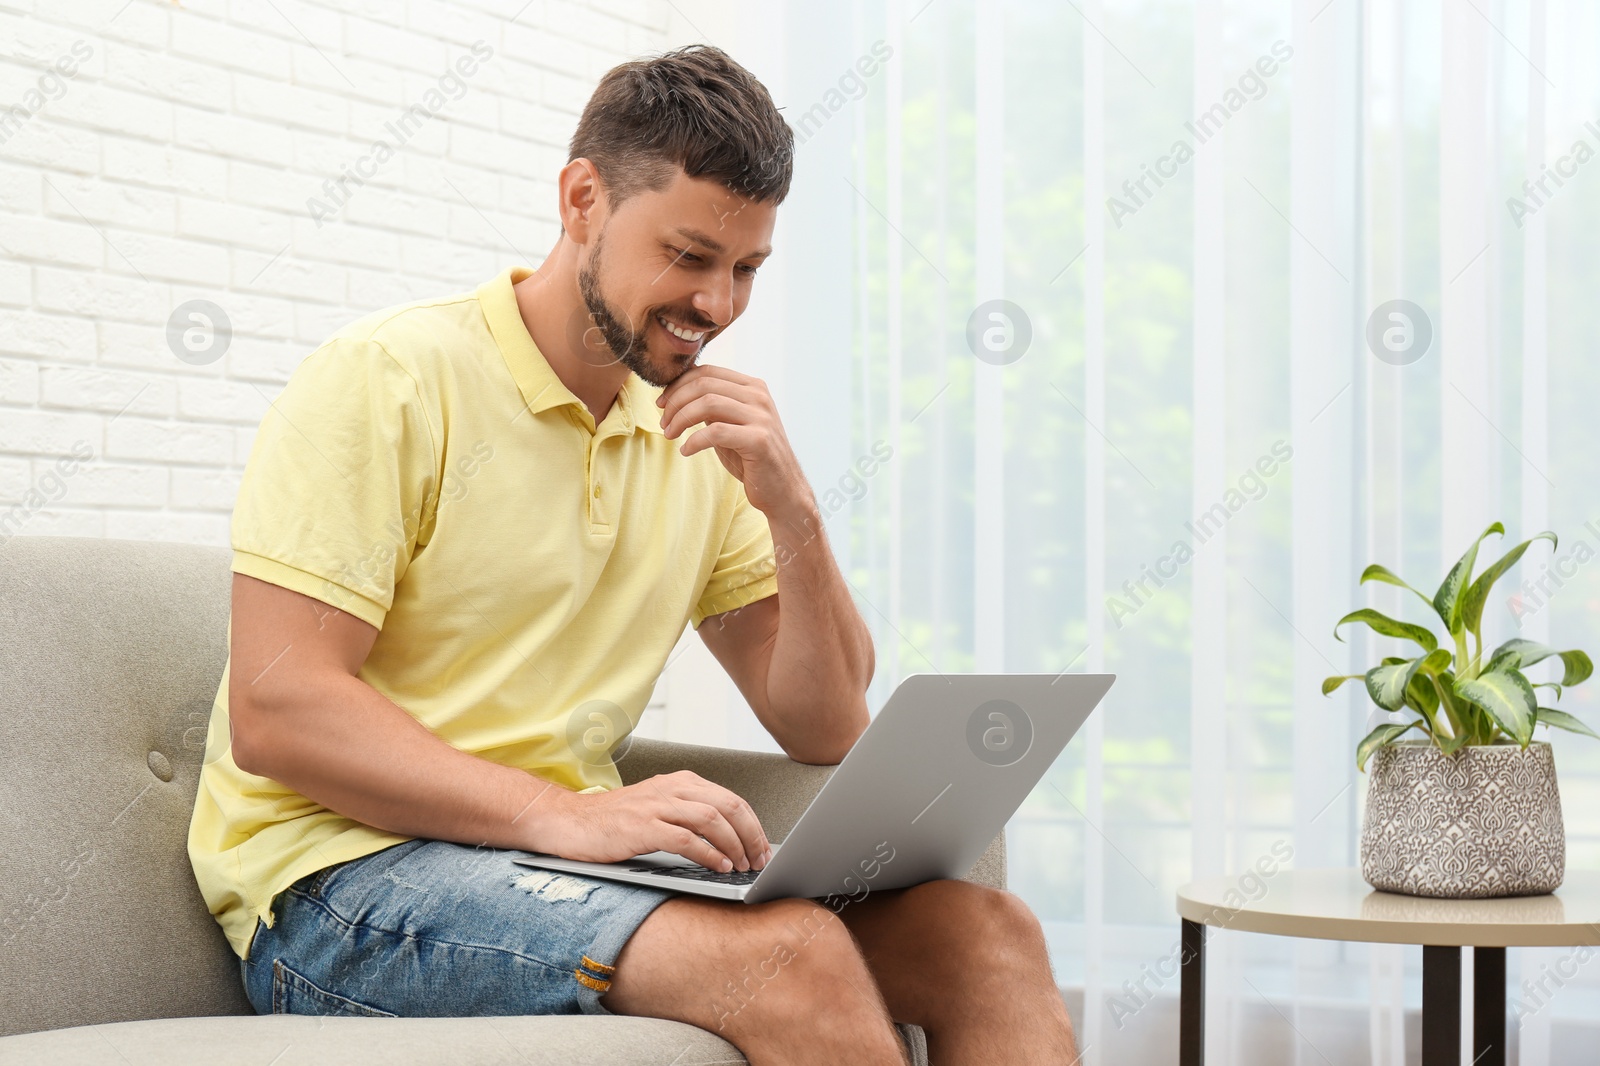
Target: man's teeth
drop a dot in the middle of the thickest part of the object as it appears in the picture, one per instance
(681, 334)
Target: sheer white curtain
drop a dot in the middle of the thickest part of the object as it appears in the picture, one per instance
(1192, 210)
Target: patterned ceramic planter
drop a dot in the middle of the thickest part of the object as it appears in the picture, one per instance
(1483, 822)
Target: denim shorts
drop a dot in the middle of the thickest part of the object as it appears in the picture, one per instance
(431, 928)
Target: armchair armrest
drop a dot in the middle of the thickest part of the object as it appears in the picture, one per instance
(777, 787)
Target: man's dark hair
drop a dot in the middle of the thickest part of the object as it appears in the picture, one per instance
(693, 108)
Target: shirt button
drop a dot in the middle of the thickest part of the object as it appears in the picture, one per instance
(597, 492)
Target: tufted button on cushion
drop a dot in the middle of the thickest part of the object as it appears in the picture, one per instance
(159, 765)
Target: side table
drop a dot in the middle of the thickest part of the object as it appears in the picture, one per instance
(1336, 904)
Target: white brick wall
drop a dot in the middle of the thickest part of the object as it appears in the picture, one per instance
(176, 162)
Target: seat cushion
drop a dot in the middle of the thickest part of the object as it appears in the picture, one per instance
(562, 1040)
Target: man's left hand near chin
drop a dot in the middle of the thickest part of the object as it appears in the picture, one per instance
(742, 424)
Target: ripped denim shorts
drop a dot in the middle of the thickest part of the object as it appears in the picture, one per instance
(431, 928)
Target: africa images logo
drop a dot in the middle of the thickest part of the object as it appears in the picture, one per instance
(451, 85)
(1251, 85)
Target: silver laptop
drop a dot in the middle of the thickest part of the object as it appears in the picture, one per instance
(934, 778)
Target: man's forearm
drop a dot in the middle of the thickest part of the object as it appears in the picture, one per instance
(354, 751)
(822, 657)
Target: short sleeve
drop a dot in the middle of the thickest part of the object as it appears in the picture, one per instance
(746, 568)
(340, 483)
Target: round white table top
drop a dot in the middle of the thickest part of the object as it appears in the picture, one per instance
(1336, 904)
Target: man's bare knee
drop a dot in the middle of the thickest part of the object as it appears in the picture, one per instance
(692, 951)
(797, 958)
(747, 972)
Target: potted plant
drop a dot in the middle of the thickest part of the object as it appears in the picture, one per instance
(1472, 810)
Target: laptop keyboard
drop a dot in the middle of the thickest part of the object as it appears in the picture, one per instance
(701, 873)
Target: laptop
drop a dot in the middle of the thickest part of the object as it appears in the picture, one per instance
(923, 791)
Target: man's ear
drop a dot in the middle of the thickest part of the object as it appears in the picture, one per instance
(578, 198)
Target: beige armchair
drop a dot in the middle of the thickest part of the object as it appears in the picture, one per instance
(110, 656)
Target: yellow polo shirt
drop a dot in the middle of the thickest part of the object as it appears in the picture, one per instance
(528, 571)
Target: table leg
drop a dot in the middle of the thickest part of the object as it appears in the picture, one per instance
(1489, 1006)
(1192, 996)
(1441, 1006)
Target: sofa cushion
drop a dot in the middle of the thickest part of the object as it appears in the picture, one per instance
(561, 1040)
(564, 1040)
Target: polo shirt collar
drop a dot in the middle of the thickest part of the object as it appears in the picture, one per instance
(540, 387)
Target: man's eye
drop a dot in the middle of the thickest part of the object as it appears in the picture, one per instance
(685, 256)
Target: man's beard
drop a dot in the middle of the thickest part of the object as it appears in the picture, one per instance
(630, 347)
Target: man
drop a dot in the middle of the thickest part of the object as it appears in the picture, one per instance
(469, 533)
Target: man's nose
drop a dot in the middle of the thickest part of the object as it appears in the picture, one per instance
(715, 301)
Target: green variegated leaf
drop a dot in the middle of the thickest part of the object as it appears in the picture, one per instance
(1563, 720)
(1550, 684)
(1460, 715)
(1452, 592)
(1576, 664)
(1389, 627)
(1578, 667)
(1389, 577)
(1501, 660)
(1387, 684)
(1478, 592)
(1398, 681)
(1507, 697)
(1450, 745)
(1376, 739)
(1435, 661)
(1422, 697)
(1331, 683)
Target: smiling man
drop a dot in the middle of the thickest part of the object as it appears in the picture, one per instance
(469, 533)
